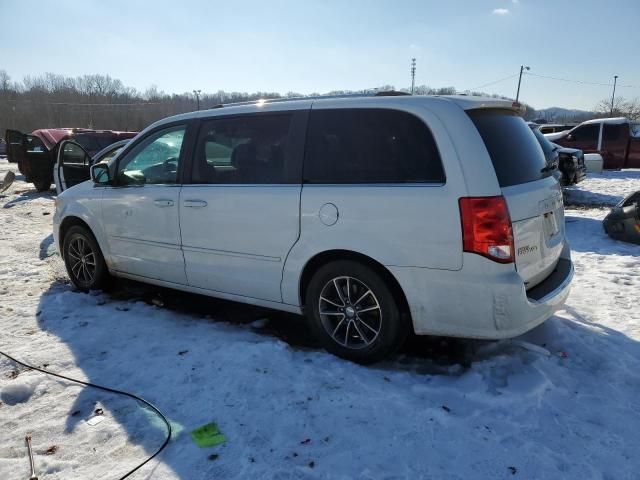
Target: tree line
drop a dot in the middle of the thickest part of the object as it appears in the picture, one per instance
(102, 102)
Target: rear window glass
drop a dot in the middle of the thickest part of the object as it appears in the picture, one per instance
(370, 146)
(93, 143)
(514, 150)
(546, 145)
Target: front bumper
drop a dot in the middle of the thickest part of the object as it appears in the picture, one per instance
(483, 300)
(581, 173)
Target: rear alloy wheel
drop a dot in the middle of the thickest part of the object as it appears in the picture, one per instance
(354, 313)
(84, 261)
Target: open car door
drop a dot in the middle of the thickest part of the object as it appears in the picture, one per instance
(16, 147)
(72, 166)
(32, 156)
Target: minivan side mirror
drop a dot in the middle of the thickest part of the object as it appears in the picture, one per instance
(100, 174)
(569, 138)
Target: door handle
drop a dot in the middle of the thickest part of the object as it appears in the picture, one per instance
(163, 203)
(195, 203)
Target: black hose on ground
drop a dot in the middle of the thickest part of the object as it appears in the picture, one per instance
(110, 390)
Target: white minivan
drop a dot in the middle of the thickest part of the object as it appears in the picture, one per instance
(373, 216)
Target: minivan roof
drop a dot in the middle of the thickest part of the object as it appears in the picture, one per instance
(466, 102)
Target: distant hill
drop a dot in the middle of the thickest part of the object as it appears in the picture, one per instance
(561, 115)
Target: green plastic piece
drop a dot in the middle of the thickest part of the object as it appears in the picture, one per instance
(207, 435)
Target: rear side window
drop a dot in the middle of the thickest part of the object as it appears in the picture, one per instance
(514, 150)
(34, 144)
(249, 149)
(586, 133)
(370, 146)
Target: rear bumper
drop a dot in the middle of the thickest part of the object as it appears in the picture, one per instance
(483, 300)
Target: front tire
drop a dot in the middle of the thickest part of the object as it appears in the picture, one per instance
(84, 261)
(353, 312)
(42, 186)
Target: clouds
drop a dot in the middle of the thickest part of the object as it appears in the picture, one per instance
(504, 11)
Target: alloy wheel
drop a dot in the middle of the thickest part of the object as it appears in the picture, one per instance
(82, 260)
(350, 312)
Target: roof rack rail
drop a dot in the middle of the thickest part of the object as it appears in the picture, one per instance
(382, 93)
(391, 93)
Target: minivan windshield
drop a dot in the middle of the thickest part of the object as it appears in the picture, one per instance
(514, 150)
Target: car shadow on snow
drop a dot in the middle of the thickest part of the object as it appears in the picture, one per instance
(576, 197)
(47, 248)
(177, 350)
(113, 337)
(586, 234)
(27, 196)
(288, 327)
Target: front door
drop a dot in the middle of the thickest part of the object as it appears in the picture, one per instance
(239, 217)
(615, 141)
(585, 137)
(72, 166)
(141, 210)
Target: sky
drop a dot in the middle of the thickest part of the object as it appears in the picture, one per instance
(310, 46)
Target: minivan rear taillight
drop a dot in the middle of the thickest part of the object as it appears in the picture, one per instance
(486, 228)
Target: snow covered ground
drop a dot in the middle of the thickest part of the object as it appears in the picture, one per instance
(289, 410)
(605, 189)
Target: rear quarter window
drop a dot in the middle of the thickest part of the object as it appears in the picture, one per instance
(514, 150)
(368, 145)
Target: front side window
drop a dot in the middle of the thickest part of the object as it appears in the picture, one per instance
(73, 154)
(370, 146)
(34, 144)
(154, 160)
(249, 149)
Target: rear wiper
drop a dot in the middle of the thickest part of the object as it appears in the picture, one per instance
(549, 168)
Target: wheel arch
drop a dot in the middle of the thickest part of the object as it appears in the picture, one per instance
(66, 224)
(322, 258)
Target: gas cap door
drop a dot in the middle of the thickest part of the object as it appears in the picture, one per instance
(328, 214)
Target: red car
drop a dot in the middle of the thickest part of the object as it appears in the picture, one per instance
(36, 153)
(617, 140)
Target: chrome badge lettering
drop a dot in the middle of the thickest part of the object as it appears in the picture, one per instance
(527, 249)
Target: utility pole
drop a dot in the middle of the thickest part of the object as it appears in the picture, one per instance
(413, 74)
(197, 94)
(522, 67)
(615, 80)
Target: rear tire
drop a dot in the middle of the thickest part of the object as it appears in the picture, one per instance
(42, 186)
(353, 312)
(84, 261)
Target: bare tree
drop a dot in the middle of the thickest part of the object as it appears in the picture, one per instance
(100, 101)
(622, 107)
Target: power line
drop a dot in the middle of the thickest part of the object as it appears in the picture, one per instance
(583, 82)
(88, 104)
(494, 82)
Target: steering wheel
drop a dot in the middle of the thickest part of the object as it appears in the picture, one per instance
(170, 165)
